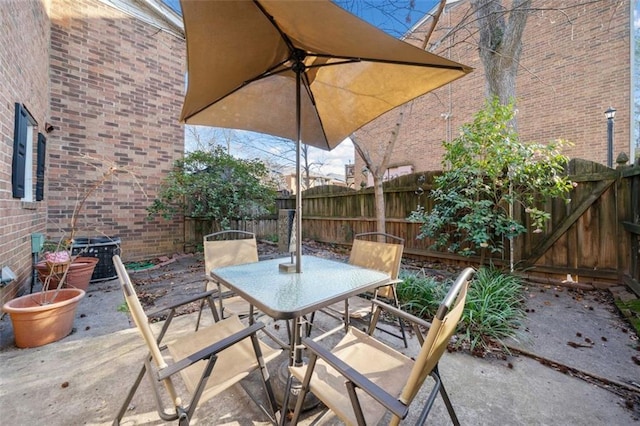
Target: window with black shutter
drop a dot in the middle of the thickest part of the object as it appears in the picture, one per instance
(21, 175)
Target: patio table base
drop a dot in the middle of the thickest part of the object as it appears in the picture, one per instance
(279, 387)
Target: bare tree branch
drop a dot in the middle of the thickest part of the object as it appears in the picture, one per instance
(434, 22)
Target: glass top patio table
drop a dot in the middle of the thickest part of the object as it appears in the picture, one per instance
(289, 295)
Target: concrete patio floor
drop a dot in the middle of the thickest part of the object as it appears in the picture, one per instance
(83, 378)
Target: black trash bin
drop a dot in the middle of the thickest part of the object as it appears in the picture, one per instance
(104, 248)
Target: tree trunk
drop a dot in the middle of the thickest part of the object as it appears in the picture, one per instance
(378, 169)
(500, 44)
(379, 201)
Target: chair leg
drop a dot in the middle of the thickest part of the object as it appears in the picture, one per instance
(347, 317)
(430, 400)
(438, 388)
(402, 335)
(402, 332)
(285, 403)
(304, 389)
(445, 398)
(355, 403)
(266, 380)
(310, 324)
(183, 418)
(199, 314)
(212, 306)
(129, 397)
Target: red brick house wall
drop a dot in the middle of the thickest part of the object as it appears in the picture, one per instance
(24, 72)
(575, 63)
(117, 86)
(111, 85)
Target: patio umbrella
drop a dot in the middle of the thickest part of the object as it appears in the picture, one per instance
(308, 71)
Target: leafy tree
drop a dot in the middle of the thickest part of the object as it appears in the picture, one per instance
(214, 185)
(488, 171)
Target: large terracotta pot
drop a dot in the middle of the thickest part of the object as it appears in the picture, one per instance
(36, 324)
(79, 275)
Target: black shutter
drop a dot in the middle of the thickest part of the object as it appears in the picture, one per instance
(19, 152)
(42, 155)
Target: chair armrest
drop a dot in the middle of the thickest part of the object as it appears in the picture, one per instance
(390, 282)
(402, 314)
(376, 392)
(182, 302)
(209, 350)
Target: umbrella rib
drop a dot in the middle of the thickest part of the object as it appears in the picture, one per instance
(284, 36)
(307, 87)
(349, 59)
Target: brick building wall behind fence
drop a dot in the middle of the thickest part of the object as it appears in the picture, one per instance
(575, 63)
(116, 92)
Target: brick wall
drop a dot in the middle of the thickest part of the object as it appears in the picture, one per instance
(575, 63)
(24, 43)
(116, 92)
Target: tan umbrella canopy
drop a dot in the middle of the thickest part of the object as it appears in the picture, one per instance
(308, 71)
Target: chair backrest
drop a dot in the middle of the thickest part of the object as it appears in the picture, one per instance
(142, 322)
(442, 328)
(226, 248)
(380, 251)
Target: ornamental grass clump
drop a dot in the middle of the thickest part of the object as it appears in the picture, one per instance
(420, 294)
(493, 311)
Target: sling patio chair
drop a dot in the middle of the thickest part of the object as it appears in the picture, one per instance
(209, 360)
(227, 248)
(378, 379)
(382, 252)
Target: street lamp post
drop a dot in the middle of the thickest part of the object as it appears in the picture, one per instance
(610, 114)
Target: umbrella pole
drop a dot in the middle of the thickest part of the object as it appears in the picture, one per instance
(298, 68)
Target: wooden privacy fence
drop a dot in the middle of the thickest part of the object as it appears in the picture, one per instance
(595, 237)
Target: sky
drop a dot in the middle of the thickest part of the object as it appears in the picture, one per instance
(392, 16)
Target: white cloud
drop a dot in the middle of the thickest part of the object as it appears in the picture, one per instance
(333, 161)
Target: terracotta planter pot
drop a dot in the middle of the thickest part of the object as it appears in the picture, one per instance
(79, 275)
(35, 324)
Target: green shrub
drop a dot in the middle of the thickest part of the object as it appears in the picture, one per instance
(487, 172)
(216, 186)
(493, 309)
